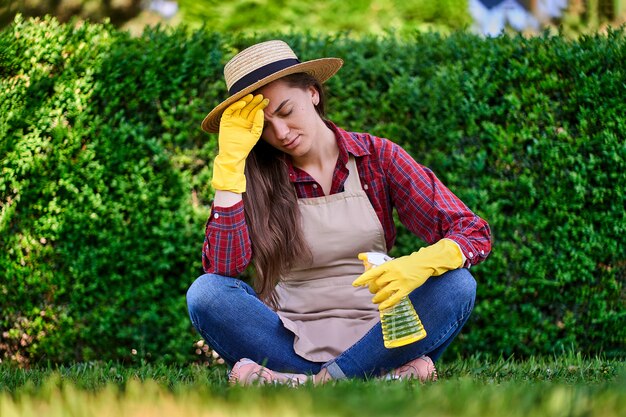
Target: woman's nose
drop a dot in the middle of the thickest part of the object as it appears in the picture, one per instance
(281, 130)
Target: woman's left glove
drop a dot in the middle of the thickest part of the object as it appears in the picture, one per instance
(397, 278)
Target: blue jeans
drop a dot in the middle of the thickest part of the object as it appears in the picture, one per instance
(236, 324)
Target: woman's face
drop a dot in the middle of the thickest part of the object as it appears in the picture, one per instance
(291, 121)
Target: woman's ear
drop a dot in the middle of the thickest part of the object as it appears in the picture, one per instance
(315, 95)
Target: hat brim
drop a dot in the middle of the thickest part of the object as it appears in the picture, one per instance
(322, 69)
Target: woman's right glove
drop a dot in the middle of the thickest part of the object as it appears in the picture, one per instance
(241, 126)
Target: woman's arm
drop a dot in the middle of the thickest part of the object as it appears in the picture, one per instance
(431, 211)
(227, 249)
(456, 236)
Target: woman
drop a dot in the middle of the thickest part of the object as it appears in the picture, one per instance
(300, 198)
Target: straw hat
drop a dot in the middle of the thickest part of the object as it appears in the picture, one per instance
(261, 64)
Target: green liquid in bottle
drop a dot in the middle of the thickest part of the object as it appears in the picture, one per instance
(401, 325)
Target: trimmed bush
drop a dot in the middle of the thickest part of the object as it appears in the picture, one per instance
(104, 186)
(97, 219)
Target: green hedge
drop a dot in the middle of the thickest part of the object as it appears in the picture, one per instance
(104, 186)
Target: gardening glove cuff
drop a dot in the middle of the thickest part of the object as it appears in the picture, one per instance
(229, 175)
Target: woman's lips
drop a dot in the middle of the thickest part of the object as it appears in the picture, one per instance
(292, 143)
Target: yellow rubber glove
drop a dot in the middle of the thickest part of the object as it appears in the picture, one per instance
(397, 278)
(241, 126)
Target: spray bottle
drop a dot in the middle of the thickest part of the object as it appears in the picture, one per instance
(401, 324)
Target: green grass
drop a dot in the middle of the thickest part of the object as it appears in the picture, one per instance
(562, 386)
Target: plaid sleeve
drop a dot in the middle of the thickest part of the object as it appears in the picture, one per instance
(430, 210)
(226, 250)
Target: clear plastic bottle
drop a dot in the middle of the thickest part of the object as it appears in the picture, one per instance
(401, 324)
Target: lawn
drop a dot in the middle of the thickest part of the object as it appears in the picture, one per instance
(569, 385)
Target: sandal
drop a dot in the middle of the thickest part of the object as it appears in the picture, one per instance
(248, 372)
(421, 368)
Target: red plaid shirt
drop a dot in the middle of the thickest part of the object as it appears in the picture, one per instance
(391, 178)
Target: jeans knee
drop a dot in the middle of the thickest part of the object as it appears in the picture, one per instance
(202, 293)
(464, 284)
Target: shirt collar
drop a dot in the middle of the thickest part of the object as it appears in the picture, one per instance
(348, 142)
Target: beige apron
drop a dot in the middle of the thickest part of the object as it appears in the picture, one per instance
(317, 301)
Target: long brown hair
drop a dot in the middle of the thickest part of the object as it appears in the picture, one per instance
(271, 208)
